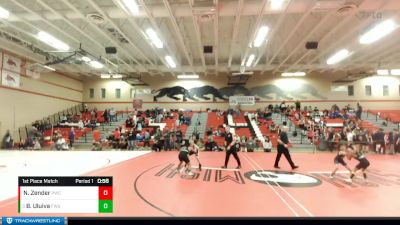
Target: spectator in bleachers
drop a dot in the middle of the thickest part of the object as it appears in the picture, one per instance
(96, 139)
(64, 118)
(243, 142)
(379, 141)
(61, 143)
(146, 139)
(298, 105)
(117, 137)
(37, 145)
(157, 140)
(81, 125)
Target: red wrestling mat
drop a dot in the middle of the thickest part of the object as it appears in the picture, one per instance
(148, 186)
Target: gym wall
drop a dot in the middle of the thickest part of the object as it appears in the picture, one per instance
(36, 98)
(310, 91)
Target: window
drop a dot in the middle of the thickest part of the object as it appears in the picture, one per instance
(103, 93)
(91, 93)
(132, 93)
(368, 90)
(118, 92)
(385, 90)
(350, 90)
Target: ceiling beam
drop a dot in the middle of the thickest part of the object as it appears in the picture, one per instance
(301, 43)
(216, 36)
(92, 40)
(198, 37)
(293, 31)
(235, 31)
(256, 27)
(326, 36)
(178, 33)
(276, 28)
(344, 37)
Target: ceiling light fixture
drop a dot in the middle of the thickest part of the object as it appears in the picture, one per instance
(132, 6)
(49, 68)
(294, 74)
(96, 64)
(377, 32)
(86, 59)
(261, 36)
(170, 61)
(250, 60)
(151, 34)
(338, 56)
(4, 13)
(277, 4)
(191, 76)
(52, 41)
(382, 72)
(395, 72)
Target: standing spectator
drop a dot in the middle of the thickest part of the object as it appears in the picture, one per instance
(96, 139)
(358, 111)
(167, 140)
(396, 141)
(330, 139)
(71, 137)
(157, 140)
(298, 105)
(283, 107)
(106, 117)
(131, 140)
(8, 142)
(117, 137)
(350, 136)
(113, 117)
(146, 139)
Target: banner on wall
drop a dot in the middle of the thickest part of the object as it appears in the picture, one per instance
(11, 63)
(137, 103)
(10, 79)
(242, 100)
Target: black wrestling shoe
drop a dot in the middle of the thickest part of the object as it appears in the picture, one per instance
(223, 167)
(295, 167)
(199, 167)
(276, 167)
(238, 167)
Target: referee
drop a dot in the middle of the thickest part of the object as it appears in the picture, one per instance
(231, 148)
(283, 148)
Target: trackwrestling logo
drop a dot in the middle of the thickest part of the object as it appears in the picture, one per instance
(9, 220)
(282, 178)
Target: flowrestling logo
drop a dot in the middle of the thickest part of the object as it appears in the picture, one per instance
(282, 178)
(33, 220)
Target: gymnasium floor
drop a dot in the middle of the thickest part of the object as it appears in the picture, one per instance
(145, 184)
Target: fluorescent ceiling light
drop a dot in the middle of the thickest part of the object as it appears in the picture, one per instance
(170, 61)
(295, 74)
(52, 41)
(378, 31)
(86, 59)
(192, 76)
(117, 76)
(49, 68)
(250, 60)
(151, 34)
(338, 56)
(382, 72)
(105, 76)
(277, 4)
(261, 35)
(96, 64)
(395, 72)
(4, 13)
(132, 6)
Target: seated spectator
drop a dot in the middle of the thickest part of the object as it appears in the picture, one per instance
(250, 145)
(61, 144)
(267, 146)
(81, 125)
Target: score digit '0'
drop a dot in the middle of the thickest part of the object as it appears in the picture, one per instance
(103, 181)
